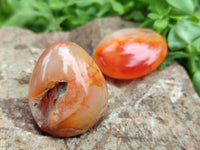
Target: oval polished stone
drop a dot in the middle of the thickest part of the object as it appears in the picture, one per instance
(67, 92)
(130, 53)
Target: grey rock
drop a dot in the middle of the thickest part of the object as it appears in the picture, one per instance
(158, 111)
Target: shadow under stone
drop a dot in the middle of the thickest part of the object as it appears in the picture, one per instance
(122, 82)
(19, 112)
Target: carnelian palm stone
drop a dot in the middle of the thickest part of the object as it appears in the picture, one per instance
(130, 53)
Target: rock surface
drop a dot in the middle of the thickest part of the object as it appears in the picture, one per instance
(160, 111)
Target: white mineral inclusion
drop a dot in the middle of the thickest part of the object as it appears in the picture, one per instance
(176, 94)
(175, 91)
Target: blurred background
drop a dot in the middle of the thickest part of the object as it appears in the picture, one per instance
(178, 21)
(53, 15)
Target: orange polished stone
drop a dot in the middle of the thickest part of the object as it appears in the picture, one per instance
(130, 53)
(67, 92)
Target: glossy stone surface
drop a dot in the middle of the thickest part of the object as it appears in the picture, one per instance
(67, 92)
(130, 53)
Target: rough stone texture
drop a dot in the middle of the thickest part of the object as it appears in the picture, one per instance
(160, 111)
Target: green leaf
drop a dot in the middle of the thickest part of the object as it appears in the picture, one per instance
(183, 6)
(128, 5)
(89, 3)
(24, 17)
(196, 81)
(39, 6)
(153, 16)
(105, 11)
(56, 6)
(122, 7)
(196, 46)
(136, 16)
(197, 62)
(160, 24)
(174, 42)
(159, 7)
(147, 24)
(171, 57)
(187, 30)
(118, 7)
(7, 6)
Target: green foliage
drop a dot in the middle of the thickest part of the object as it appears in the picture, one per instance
(52, 15)
(196, 80)
(177, 20)
(121, 7)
